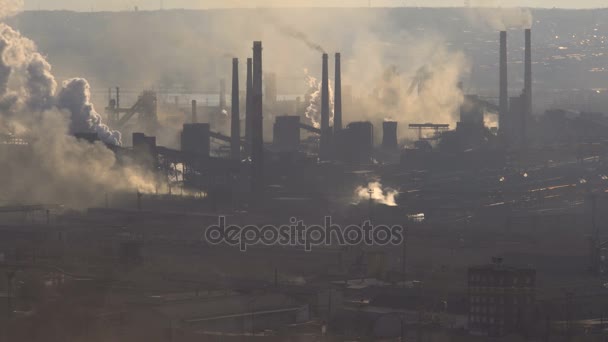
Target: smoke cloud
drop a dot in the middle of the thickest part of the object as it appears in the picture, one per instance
(379, 194)
(10, 7)
(313, 110)
(49, 165)
(56, 168)
(75, 97)
(419, 86)
(490, 14)
(293, 33)
(41, 84)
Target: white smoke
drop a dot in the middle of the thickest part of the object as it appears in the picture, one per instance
(75, 97)
(490, 13)
(41, 84)
(313, 110)
(27, 86)
(10, 7)
(417, 85)
(379, 194)
(53, 167)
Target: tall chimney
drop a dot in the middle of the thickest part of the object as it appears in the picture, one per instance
(503, 102)
(194, 115)
(257, 127)
(235, 122)
(324, 149)
(338, 95)
(248, 106)
(222, 94)
(527, 85)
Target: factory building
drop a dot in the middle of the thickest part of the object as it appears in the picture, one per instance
(286, 134)
(195, 140)
(354, 144)
(500, 298)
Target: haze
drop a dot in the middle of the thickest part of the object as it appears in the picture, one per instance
(120, 5)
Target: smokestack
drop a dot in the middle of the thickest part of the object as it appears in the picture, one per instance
(194, 115)
(249, 106)
(528, 83)
(235, 132)
(222, 94)
(324, 144)
(338, 95)
(503, 102)
(257, 128)
(389, 135)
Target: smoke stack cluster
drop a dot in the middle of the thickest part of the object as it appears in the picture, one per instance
(338, 95)
(235, 128)
(503, 102)
(325, 139)
(257, 128)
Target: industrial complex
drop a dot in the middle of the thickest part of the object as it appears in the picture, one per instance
(502, 220)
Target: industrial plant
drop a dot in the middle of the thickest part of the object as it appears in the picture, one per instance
(240, 212)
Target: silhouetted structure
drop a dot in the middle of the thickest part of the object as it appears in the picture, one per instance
(324, 145)
(195, 140)
(355, 143)
(527, 110)
(145, 151)
(235, 122)
(286, 134)
(248, 106)
(503, 103)
(500, 298)
(338, 95)
(389, 135)
(194, 112)
(257, 127)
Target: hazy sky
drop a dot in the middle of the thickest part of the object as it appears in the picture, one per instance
(115, 5)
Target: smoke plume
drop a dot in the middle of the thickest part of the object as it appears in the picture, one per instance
(489, 13)
(293, 33)
(379, 194)
(313, 94)
(420, 85)
(10, 7)
(56, 168)
(49, 165)
(75, 97)
(41, 84)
